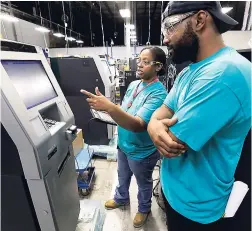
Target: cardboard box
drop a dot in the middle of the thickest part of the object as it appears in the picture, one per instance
(78, 143)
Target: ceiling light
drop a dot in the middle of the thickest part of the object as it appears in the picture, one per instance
(70, 39)
(133, 36)
(59, 35)
(8, 17)
(130, 26)
(79, 41)
(125, 13)
(42, 29)
(226, 9)
(132, 33)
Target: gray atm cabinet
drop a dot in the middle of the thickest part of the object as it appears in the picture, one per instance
(37, 163)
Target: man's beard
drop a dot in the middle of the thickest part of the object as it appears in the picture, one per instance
(186, 49)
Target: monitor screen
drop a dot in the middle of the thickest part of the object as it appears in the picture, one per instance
(30, 80)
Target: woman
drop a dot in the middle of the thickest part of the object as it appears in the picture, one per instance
(136, 155)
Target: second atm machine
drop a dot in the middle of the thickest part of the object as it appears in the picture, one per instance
(74, 74)
(39, 185)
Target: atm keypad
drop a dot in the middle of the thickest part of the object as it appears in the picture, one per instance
(49, 123)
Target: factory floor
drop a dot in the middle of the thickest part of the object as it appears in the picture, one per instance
(121, 219)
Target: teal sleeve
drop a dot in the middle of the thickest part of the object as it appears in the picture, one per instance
(208, 107)
(151, 104)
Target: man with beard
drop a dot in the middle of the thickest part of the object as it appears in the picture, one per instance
(211, 99)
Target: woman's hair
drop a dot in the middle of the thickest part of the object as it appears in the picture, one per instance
(158, 55)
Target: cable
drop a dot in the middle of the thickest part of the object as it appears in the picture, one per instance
(149, 25)
(40, 14)
(49, 9)
(90, 26)
(71, 16)
(102, 25)
(41, 22)
(64, 18)
(162, 5)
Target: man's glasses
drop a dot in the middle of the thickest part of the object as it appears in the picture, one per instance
(170, 24)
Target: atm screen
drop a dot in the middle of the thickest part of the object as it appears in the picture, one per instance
(30, 80)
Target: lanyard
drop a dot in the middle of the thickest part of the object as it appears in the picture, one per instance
(137, 93)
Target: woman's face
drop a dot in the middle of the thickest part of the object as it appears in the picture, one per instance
(146, 69)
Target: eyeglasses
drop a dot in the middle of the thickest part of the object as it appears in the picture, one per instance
(145, 62)
(170, 23)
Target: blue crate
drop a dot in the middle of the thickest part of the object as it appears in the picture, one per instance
(83, 159)
(86, 184)
(82, 162)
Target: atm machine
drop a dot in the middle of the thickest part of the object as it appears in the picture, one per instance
(39, 184)
(74, 74)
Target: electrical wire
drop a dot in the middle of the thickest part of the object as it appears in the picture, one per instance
(90, 26)
(162, 5)
(41, 22)
(64, 18)
(102, 25)
(149, 25)
(71, 15)
(49, 10)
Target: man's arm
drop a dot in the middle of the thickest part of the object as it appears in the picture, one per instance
(209, 106)
(158, 130)
(163, 113)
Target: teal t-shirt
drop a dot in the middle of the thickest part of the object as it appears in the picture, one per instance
(138, 145)
(212, 101)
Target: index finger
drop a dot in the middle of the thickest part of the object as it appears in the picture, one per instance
(89, 94)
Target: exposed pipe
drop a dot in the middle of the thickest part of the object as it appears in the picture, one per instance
(249, 24)
(246, 15)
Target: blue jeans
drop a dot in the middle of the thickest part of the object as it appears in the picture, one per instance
(142, 169)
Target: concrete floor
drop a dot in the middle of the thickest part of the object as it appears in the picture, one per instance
(121, 219)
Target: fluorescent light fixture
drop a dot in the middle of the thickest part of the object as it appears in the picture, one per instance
(131, 26)
(70, 39)
(42, 29)
(132, 33)
(125, 13)
(79, 41)
(226, 9)
(59, 35)
(133, 36)
(8, 17)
